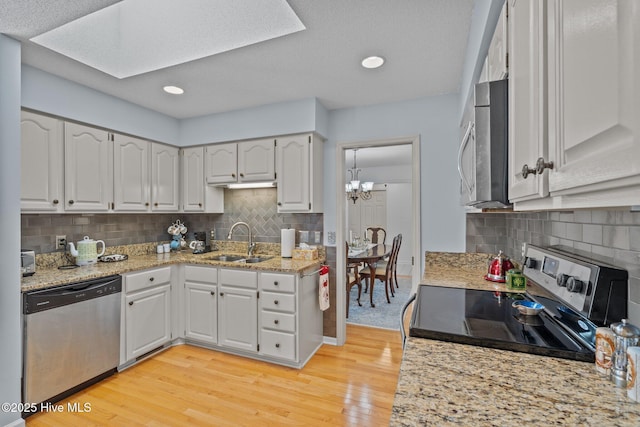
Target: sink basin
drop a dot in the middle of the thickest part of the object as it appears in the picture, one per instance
(255, 259)
(227, 258)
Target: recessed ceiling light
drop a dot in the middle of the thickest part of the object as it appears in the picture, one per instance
(173, 90)
(372, 62)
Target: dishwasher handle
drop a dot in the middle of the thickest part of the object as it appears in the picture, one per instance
(404, 311)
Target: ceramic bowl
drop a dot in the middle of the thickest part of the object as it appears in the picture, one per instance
(528, 308)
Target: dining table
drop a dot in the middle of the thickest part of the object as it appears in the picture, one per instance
(370, 255)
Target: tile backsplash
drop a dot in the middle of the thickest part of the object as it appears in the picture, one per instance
(610, 234)
(257, 207)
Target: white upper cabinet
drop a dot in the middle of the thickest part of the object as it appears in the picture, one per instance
(221, 163)
(131, 173)
(193, 179)
(165, 174)
(527, 97)
(496, 63)
(41, 163)
(88, 174)
(594, 107)
(299, 163)
(256, 160)
(245, 161)
(574, 104)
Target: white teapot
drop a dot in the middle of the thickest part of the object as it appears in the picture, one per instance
(87, 252)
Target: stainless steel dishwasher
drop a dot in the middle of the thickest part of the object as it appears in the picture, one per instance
(71, 337)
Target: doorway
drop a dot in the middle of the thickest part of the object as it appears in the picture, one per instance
(413, 223)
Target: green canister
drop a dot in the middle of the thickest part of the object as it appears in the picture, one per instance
(515, 280)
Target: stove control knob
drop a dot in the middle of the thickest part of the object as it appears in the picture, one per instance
(574, 285)
(531, 263)
(561, 279)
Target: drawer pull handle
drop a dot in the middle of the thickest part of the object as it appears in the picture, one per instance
(277, 345)
(130, 302)
(276, 321)
(276, 302)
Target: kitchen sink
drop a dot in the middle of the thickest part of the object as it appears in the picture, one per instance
(228, 258)
(256, 259)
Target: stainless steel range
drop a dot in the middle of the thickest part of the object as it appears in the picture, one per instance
(579, 294)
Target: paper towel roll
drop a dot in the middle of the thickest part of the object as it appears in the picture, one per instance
(287, 242)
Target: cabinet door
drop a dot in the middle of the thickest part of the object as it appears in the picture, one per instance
(201, 310)
(497, 56)
(221, 163)
(527, 123)
(238, 318)
(193, 179)
(148, 320)
(131, 173)
(292, 160)
(88, 176)
(41, 163)
(164, 178)
(594, 108)
(256, 160)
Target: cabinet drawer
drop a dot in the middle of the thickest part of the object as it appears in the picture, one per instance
(278, 344)
(242, 278)
(198, 273)
(279, 321)
(144, 279)
(278, 302)
(277, 282)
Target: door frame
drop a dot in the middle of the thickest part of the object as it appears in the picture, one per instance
(341, 321)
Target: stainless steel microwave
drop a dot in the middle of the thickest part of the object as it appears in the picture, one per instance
(483, 153)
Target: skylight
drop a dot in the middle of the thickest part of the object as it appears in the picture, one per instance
(137, 36)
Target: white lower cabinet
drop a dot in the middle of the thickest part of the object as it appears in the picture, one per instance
(146, 312)
(265, 315)
(201, 304)
(238, 309)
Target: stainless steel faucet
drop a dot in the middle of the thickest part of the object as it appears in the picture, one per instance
(252, 244)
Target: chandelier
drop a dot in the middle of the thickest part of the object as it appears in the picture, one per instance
(355, 188)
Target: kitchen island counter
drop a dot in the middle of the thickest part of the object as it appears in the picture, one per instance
(443, 383)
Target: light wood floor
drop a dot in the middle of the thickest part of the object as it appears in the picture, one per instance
(185, 385)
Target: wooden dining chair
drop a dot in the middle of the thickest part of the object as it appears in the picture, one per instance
(353, 278)
(376, 233)
(383, 272)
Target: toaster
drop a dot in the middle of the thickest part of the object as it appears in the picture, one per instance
(27, 262)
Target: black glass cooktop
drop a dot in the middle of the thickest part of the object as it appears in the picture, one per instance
(487, 319)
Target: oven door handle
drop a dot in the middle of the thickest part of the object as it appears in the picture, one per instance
(404, 310)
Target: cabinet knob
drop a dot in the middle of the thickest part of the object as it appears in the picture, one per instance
(155, 204)
(276, 302)
(241, 175)
(151, 279)
(233, 175)
(276, 321)
(277, 345)
(199, 205)
(213, 293)
(130, 302)
(146, 204)
(221, 294)
(55, 201)
(541, 165)
(275, 283)
(279, 203)
(70, 202)
(526, 171)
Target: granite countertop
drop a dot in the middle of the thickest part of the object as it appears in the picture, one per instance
(50, 276)
(443, 383)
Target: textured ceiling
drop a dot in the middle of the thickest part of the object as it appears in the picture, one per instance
(424, 43)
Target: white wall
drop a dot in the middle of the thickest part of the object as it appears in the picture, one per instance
(10, 297)
(51, 94)
(399, 222)
(435, 120)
